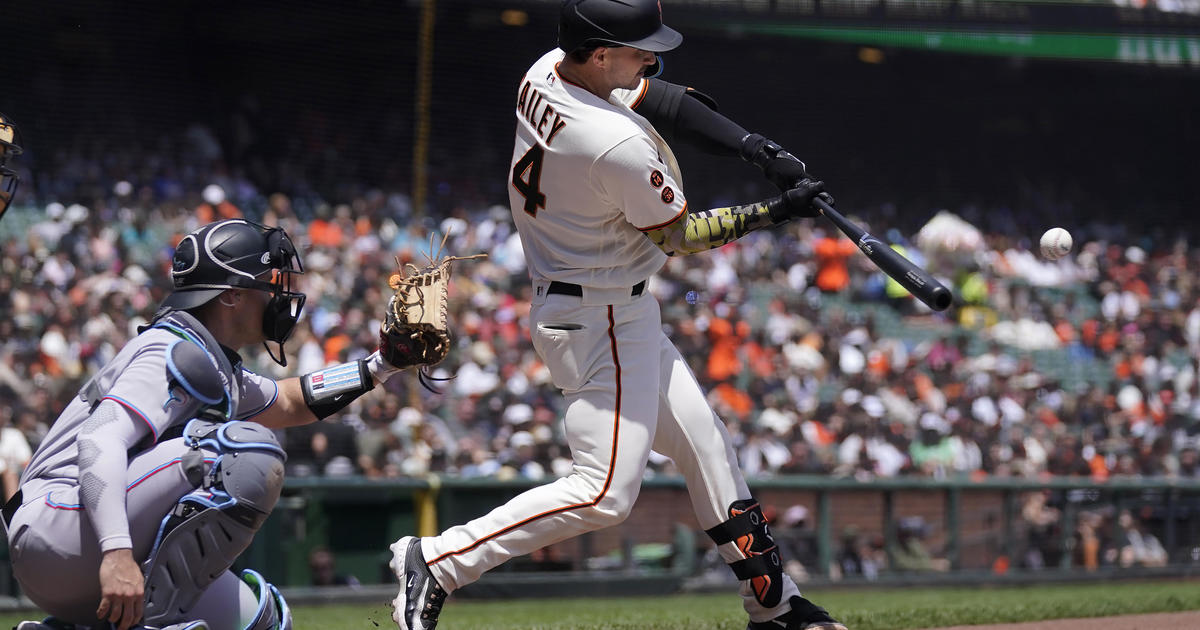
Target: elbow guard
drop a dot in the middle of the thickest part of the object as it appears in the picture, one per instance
(330, 390)
(681, 113)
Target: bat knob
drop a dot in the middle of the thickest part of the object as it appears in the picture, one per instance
(940, 299)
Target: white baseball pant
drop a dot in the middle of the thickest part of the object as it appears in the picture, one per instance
(628, 390)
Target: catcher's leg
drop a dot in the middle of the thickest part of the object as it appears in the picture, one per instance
(211, 526)
(54, 551)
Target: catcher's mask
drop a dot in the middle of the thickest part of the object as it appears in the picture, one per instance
(9, 148)
(240, 254)
(634, 23)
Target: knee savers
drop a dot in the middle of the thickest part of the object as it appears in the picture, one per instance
(212, 525)
(761, 564)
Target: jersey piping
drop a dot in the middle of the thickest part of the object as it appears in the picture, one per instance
(641, 94)
(612, 338)
(682, 212)
(128, 405)
(78, 507)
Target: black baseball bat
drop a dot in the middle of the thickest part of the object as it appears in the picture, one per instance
(902, 270)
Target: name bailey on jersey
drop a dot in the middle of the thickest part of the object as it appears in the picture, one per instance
(527, 106)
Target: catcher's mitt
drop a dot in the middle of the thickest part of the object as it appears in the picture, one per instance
(414, 329)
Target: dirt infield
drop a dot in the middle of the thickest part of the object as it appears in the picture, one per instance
(1158, 621)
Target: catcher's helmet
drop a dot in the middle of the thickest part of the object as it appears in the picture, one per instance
(634, 23)
(236, 253)
(9, 148)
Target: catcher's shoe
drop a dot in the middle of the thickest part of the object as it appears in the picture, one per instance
(420, 600)
(804, 615)
(49, 623)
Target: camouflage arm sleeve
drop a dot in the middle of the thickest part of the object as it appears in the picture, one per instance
(710, 229)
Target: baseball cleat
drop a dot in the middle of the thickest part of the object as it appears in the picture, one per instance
(804, 615)
(420, 599)
(49, 623)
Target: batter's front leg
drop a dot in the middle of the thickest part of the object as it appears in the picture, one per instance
(610, 422)
(691, 433)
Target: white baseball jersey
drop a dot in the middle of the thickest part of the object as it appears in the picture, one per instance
(588, 236)
(589, 177)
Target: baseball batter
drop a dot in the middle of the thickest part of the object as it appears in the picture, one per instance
(597, 197)
(159, 472)
(9, 148)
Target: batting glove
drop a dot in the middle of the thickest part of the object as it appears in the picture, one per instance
(797, 201)
(780, 167)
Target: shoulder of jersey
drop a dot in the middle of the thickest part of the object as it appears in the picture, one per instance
(545, 76)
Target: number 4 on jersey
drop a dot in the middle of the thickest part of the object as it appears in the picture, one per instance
(526, 177)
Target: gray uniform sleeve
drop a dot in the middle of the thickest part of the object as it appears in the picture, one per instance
(258, 394)
(103, 441)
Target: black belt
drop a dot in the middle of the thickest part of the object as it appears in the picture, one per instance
(566, 288)
(10, 508)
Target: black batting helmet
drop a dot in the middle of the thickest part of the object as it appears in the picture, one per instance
(9, 148)
(634, 23)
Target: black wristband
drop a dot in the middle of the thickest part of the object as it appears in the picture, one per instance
(328, 391)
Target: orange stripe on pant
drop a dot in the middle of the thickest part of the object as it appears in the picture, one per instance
(608, 479)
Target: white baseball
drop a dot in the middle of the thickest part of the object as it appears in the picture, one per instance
(1056, 243)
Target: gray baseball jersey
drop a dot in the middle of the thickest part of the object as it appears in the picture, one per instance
(108, 471)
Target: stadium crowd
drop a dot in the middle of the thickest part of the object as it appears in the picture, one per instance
(1083, 367)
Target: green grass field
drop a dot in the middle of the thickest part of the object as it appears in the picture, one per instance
(860, 609)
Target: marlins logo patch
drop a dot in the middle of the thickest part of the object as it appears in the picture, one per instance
(668, 195)
(656, 178)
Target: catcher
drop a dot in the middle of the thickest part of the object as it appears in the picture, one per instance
(159, 472)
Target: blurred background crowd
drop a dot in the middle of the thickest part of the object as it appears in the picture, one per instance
(817, 364)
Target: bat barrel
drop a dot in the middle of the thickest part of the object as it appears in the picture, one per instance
(918, 281)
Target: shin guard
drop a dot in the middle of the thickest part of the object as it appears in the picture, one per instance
(760, 564)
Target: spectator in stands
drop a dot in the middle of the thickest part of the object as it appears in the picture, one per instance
(1138, 547)
(1189, 463)
(858, 557)
(75, 286)
(1042, 524)
(321, 564)
(214, 206)
(797, 541)
(911, 555)
(832, 251)
(14, 454)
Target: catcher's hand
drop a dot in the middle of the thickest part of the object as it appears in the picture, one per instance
(414, 329)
